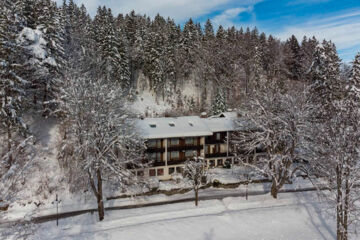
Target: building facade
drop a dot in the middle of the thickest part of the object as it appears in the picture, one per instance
(172, 141)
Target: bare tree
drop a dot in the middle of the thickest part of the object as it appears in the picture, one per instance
(195, 171)
(274, 123)
(100, 142)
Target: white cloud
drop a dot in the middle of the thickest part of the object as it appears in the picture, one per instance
(230, 16)
(180, 10)
(298, 2)
(342, 29)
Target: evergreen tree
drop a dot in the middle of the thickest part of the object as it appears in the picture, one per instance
(12, 86)
(219, 103)
(189, 46)
(326, 84)
(292, 58)
(112, 49)
(209, 30)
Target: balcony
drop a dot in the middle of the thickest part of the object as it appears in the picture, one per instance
(218, 155)
(155, 149)
(214, 141)
(158, 163)
(184, 147)
(177, 162)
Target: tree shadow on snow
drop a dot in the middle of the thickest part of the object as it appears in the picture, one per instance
(209, 235)
(315, 211)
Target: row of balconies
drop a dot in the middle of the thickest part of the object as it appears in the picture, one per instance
(182, 160)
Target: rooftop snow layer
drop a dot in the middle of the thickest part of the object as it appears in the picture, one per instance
(220, 124)
(152, 128)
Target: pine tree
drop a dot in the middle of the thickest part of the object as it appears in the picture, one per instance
(112, 49)
(307, 57)
(189, 47)
(219, 103)
(12, 86)
(326, 85)
(209, 31)
(293, 59)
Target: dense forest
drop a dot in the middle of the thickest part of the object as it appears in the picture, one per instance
(184, 66)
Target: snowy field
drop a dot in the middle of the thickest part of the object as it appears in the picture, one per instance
(295, 216)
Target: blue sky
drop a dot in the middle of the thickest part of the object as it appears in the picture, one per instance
(337, 20)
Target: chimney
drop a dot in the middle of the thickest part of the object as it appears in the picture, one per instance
(203, 115)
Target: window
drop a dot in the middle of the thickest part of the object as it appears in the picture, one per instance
(218, 136)
(174, 155)
(155, 156)
(189, 141)
(140, 173)
(171, 170)
(189, 154)
(152, 173)
(174, 142)
(219, 162)
(171, 124)
(212, 163)
(151, 143)
(154, 143)
(160, 172)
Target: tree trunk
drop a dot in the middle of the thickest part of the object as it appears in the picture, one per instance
(100, 196)
(338, 205)
(196, 196)
(9, 143)
(274, 190)
(346, 207)
(97, 192)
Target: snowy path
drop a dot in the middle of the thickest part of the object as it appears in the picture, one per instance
(292, 216)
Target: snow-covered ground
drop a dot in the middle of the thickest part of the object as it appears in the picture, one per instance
(293, 216)
(147, 104)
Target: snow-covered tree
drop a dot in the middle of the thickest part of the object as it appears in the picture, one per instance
(334, 144)
(292, 58)
(325, 85)
(12, 85)
(112, 49)
(195, 171)
(219, 104)
(100, 138)
(275, 125)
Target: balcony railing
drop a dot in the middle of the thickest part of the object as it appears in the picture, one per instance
(214, 155)
(177, 162)
(158, 163)
(185, 147)
(155, 149)
(214, 141)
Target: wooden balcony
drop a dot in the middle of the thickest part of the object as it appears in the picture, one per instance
(155, 149)
(214, 141)
(177, 162)
(218, 155)
(185, 147)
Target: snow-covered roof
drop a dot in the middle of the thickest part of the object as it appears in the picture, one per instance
(172, 127)
(152, 128)
(220, 124)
